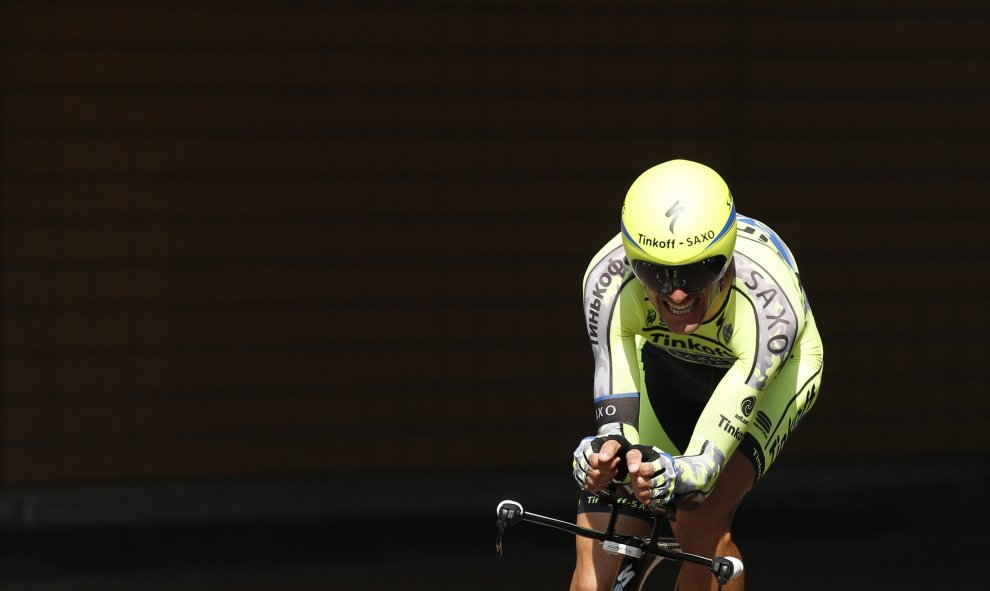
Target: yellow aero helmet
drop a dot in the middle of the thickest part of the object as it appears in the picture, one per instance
(679, 213)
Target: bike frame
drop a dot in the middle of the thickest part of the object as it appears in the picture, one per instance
(633, 549)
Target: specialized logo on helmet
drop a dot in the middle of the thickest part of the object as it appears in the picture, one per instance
(674, 212)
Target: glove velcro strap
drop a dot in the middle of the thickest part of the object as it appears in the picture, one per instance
(650, 454)
(598, 442)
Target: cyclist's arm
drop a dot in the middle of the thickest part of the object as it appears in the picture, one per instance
(765, 334)
(612, 317)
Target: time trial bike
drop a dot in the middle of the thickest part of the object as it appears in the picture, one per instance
(646, 562)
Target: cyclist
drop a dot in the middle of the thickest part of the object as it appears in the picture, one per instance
(706, 358)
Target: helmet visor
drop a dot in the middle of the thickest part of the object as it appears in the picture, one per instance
(690, 278)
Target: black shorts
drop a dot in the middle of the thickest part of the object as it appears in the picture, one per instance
(589, 502)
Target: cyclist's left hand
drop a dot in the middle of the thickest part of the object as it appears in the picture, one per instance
(653, 474)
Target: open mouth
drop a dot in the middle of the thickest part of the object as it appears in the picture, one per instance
(683, 309)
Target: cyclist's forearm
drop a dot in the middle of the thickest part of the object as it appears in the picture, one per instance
(718, 432)
(725, 418)
(618, 414)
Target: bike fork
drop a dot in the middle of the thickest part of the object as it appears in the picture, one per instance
(629, 574)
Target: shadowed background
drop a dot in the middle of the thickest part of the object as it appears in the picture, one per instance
(274, 270)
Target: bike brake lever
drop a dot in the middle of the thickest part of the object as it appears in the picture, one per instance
(509, 513)
(725, 568)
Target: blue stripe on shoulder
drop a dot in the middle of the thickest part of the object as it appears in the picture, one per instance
(774, 238)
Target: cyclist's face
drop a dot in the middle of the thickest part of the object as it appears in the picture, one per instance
(684, 312)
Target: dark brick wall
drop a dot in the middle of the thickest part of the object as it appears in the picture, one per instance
(272, 238)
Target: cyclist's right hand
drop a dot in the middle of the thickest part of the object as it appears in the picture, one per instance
(653, 474)
(599, 461)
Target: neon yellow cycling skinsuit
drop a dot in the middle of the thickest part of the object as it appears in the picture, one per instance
(743, 379)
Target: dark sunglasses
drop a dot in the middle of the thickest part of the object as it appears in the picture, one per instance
(691, 278)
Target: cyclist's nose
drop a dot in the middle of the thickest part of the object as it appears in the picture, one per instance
(678, 296)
